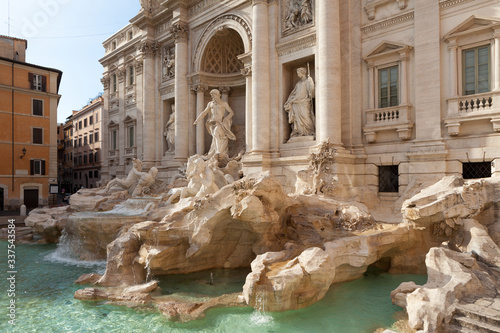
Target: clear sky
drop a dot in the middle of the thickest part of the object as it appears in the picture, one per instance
(68, 35)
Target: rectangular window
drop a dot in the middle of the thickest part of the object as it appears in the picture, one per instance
(474, 170)
(114, 135)
(96, 136)
(114, 82)
(75, 143)
(91, 120)
(85, 122)
(84, 159)
(37, 167)
(79, 142)
(96, 174)
(85, 140)
(91, 138)
(75, 161)
(38, 135)
(38, 82)
(91, 174)
(131, 75)
(388, 87)
(38, 107)
(79, 160)
(388, 178)
(97, 158)
(131, 139)
(91, 158)
(476, 70)
(80, 124)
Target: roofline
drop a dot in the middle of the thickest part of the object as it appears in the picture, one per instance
(15, 38)
(59, 72)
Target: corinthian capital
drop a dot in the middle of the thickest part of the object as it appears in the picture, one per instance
(180, 31)
(148, 48)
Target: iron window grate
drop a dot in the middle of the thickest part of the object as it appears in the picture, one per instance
(388, 178)
(474, 170)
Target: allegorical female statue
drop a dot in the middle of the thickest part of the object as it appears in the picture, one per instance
(299, 106)
(170, 131)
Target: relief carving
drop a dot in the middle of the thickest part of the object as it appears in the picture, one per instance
(296, 15)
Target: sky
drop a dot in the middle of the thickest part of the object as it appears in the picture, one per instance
(68, 35)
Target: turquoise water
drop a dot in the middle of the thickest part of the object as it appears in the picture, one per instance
(45, 288)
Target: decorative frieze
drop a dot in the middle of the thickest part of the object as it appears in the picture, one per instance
(296, 45)
(180, 31)
(388, 22)
(451, 3)
(371, 6)
(201, 6)
(162, 28)
(296, 15)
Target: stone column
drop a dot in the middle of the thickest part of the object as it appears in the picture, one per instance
(104, 135)
(180, 32)
(200, 127)
(225, 93)
(452, 50)
(247, 72)
(403, 96)
(428, 73)
(496, 61)
(122, 130)
(148, 49)
(371, 85)
(328, 86)
(260, 78)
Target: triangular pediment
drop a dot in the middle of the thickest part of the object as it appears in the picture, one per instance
(472, 25)
(129, 119)
(386, 47)
(112, 123)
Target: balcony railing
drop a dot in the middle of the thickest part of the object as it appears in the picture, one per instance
(397, 118)
(476, 107)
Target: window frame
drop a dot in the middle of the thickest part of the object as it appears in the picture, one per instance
(41, 167)
(462, 63)
(380, 70)
(33, 135)
(33, 100)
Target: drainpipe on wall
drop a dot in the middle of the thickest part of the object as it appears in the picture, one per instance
(12, 106)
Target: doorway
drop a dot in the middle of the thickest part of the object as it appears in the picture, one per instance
(31, 198)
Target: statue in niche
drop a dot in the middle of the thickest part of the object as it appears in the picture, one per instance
(219, 126)
(299, 106)
(170, 131)
(146, 180)
(299, 14)
(168, 64)
(132, 177)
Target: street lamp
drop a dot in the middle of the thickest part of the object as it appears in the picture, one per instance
(24, 152)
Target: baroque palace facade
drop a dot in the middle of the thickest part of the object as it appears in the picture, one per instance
(405, 90)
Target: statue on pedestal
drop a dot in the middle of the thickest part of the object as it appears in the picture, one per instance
(299, 106)
(218, 125)
(170, 131)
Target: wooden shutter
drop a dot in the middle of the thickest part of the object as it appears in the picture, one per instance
(44, 83)
(42, 167)
(32, 167)
(37, 135)
(30, 78)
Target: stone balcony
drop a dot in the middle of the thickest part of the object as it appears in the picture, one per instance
(130, 152)
(395, 118)
(472, 108)
(114, 154)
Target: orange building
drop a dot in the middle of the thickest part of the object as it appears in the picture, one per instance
(28, 128)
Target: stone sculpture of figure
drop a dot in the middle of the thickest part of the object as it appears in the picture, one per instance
(201, 180)
(218, 125)
(305, 12)
(146, 180)
(299, 106)
(131, 179)
(292, 18)
(169, 64)
(170, 131)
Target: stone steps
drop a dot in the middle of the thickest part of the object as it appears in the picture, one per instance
(475, 318)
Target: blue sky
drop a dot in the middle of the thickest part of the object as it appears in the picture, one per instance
(68, 35)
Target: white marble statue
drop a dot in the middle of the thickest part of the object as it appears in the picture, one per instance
(299, 106)
(218, 125)
(201, 180)
(146, 180)
(170, 131)
(169, 64)
(131, 179)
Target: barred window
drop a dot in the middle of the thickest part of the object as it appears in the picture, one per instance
(474, 170)
(388, 178)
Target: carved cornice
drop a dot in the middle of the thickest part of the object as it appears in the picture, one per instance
(148, 48)
(296, 44)
(388, 22)
(451, 3)
(180, 31)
